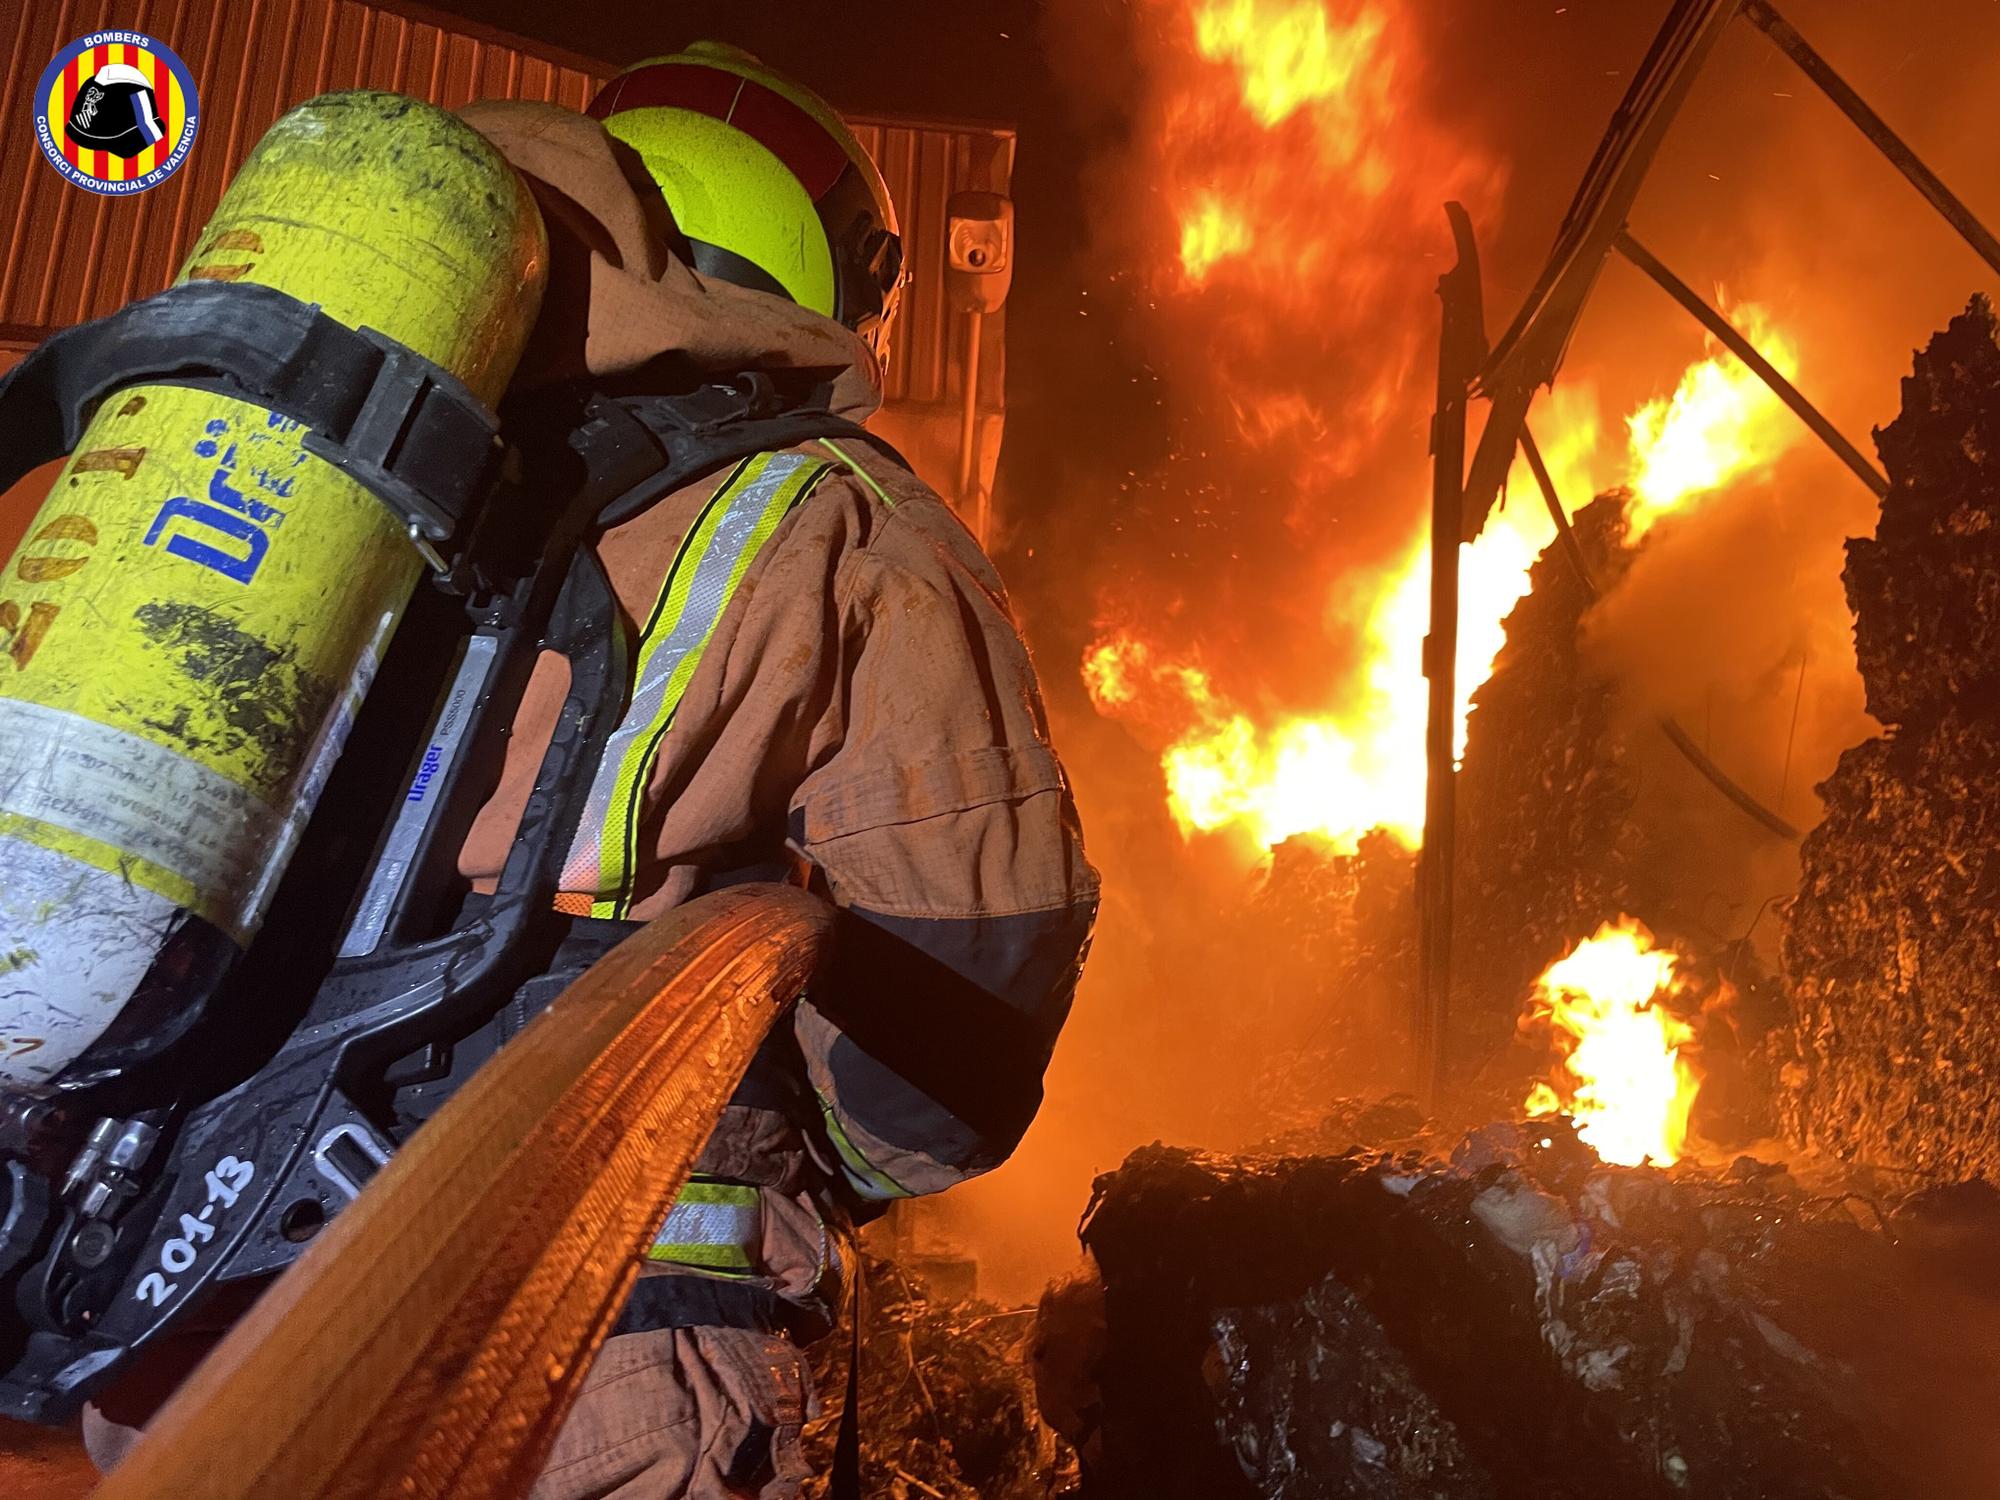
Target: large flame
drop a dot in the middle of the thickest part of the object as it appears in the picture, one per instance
(1303, 169)
(1303, 173)
(1721, 422)
(1621, 1075)
(1290, 55)
(1360, 765)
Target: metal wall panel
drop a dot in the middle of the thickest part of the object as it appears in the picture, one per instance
(71, 255)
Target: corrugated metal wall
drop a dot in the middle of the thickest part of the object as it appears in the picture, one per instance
(70, 255)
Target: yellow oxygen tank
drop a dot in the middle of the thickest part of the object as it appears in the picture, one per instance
(193, 617)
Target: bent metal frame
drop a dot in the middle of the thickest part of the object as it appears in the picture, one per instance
(1530, 354)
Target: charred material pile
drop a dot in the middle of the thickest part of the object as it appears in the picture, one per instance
(1522, 1321)
(1336, 935)
(1544, 844)
(1893, 947)
(946, 1401)
(1543, 838)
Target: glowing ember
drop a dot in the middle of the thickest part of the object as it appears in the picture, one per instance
(1622, 1076)
(1721, 422)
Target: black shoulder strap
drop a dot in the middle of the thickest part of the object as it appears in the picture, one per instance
(404, 427)
(704, 431)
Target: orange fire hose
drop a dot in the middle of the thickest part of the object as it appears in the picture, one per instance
(429, 1344)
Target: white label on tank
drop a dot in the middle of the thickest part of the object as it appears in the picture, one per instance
(135, 796)
(420, 800)
(74, 943)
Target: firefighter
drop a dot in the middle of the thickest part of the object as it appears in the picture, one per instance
(827, 681)
(826, 686)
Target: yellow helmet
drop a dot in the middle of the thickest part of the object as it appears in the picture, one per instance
(771, 190)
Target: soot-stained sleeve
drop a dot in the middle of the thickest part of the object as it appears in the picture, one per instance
(942, 827)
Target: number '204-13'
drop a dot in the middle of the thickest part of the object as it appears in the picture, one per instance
(225, 1182)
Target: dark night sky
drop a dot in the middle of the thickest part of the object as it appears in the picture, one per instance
(915, 56)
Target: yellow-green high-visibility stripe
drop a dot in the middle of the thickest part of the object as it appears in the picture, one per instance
(732, 528)
(714, 1226)
(867, 1179)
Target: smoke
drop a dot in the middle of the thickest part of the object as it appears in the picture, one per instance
(1732, 621)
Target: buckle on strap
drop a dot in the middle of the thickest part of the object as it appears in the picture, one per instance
(408, 430)
(420, 441)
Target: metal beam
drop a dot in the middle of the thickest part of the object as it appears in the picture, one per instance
(1732, 339)
(1579, 564)
(1461, 348)
(1765, 18)
(1530, 352)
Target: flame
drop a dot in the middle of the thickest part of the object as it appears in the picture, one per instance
(1338, 774)
(1109, 671)
(1359, 766)
(1290, 55)
(1493, 572)
(1302, 167)
(1212, 232)
(1622, 1076)
(1296, 157)
(1720, 422)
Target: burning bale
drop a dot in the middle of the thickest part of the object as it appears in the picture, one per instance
(1553, 845)
(1522, 1320)
(1544, 848)
(1893, 945)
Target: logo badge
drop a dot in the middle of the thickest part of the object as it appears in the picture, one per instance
(116, 112)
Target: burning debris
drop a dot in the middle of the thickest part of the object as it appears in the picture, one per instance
(1622, 1077)
(1359, 766)
(1551, 848)
(1524, 1320)
(1566, 1310)
(1892, 949)
(1606, 1306)
(1338, 935)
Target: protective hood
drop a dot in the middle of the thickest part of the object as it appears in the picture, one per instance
(619, 298)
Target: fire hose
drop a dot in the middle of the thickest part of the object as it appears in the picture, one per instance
(430, 1342)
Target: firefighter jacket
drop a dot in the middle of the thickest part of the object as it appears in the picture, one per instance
(858, 699)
